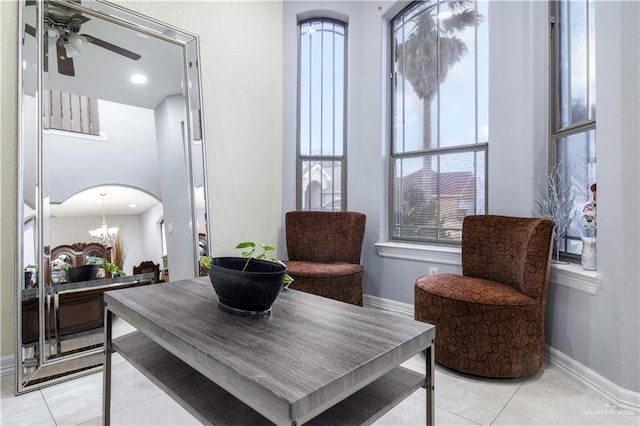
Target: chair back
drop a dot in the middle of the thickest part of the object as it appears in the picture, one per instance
(511, 250)
(148, 266)
(325, 236)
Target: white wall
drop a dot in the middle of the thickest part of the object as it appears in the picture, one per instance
(600, 332)
(151, 240)
(174, 182)
(128, 156)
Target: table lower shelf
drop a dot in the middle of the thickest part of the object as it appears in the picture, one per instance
(211, 404)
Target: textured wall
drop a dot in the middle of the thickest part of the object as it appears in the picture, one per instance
(8, 137)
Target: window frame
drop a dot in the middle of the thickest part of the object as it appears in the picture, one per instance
(301, 159)
(437, 151)
(556, 130)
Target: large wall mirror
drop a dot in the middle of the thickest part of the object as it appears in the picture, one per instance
(112, 174)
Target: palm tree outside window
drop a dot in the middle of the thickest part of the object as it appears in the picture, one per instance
(440, 127)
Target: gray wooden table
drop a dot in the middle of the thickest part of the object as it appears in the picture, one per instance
(314, 360)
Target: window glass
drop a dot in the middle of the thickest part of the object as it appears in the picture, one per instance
(321, 183)
(440, 118)
(573, 118)
(321, 114)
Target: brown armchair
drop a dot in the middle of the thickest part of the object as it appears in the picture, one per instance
(148, 266)
(324, 249)
(490, 320)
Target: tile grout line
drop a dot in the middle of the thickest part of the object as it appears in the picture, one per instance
(48, 407)
(509, 400)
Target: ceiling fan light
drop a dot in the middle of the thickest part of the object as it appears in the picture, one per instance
(72, 51)
(78, 41)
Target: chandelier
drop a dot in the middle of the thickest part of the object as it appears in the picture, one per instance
(104, 235)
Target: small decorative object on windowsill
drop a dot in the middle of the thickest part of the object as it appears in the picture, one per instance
(556, 203)
(589, 223)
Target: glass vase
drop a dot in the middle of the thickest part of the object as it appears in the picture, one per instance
(589, 255)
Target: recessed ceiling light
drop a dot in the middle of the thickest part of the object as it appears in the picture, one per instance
(138, 79)
(132, 205)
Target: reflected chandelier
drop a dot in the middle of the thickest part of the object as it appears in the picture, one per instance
(104, 235)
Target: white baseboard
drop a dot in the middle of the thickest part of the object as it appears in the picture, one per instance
(616, 395)
(406, 309)
(6, 365)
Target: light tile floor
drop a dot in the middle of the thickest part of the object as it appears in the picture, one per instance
(546, 398)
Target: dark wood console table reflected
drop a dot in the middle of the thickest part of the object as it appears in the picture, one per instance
(71, 308)
(313, 360)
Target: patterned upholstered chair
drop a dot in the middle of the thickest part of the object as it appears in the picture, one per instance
(324, 251)
(490, 320)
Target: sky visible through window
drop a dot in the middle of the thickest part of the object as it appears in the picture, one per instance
(457, 119)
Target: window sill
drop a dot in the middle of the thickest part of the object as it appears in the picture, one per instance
(443, 255)
(571, 276)
(576, 278)
(102, 137)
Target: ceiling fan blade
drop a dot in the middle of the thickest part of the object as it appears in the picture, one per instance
(112, 47)
(65, 64)
(45, 61)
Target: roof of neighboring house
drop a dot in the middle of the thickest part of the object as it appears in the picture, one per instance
(452, 184)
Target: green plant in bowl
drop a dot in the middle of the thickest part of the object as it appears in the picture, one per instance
(114, 269)
(249, 252)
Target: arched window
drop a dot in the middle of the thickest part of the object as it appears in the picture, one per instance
(322, 99)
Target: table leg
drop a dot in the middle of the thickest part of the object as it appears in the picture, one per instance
(106, 371)
(429, 384)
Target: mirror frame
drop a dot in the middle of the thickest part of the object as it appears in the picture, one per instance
(194, 131)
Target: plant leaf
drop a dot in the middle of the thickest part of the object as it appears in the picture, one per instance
(206, 262)
(246, 244)
(266, 247)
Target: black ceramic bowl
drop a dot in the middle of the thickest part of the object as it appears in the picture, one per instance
(82, 273)
(249, 292)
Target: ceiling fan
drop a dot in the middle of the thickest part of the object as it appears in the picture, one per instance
(62, 27)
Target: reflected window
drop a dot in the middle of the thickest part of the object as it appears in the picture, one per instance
(440, 120)
(70, 113)
(322, 71)
(573, 118)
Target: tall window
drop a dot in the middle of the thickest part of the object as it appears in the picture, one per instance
(573, 117)
(322, 71)
(439, 118)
